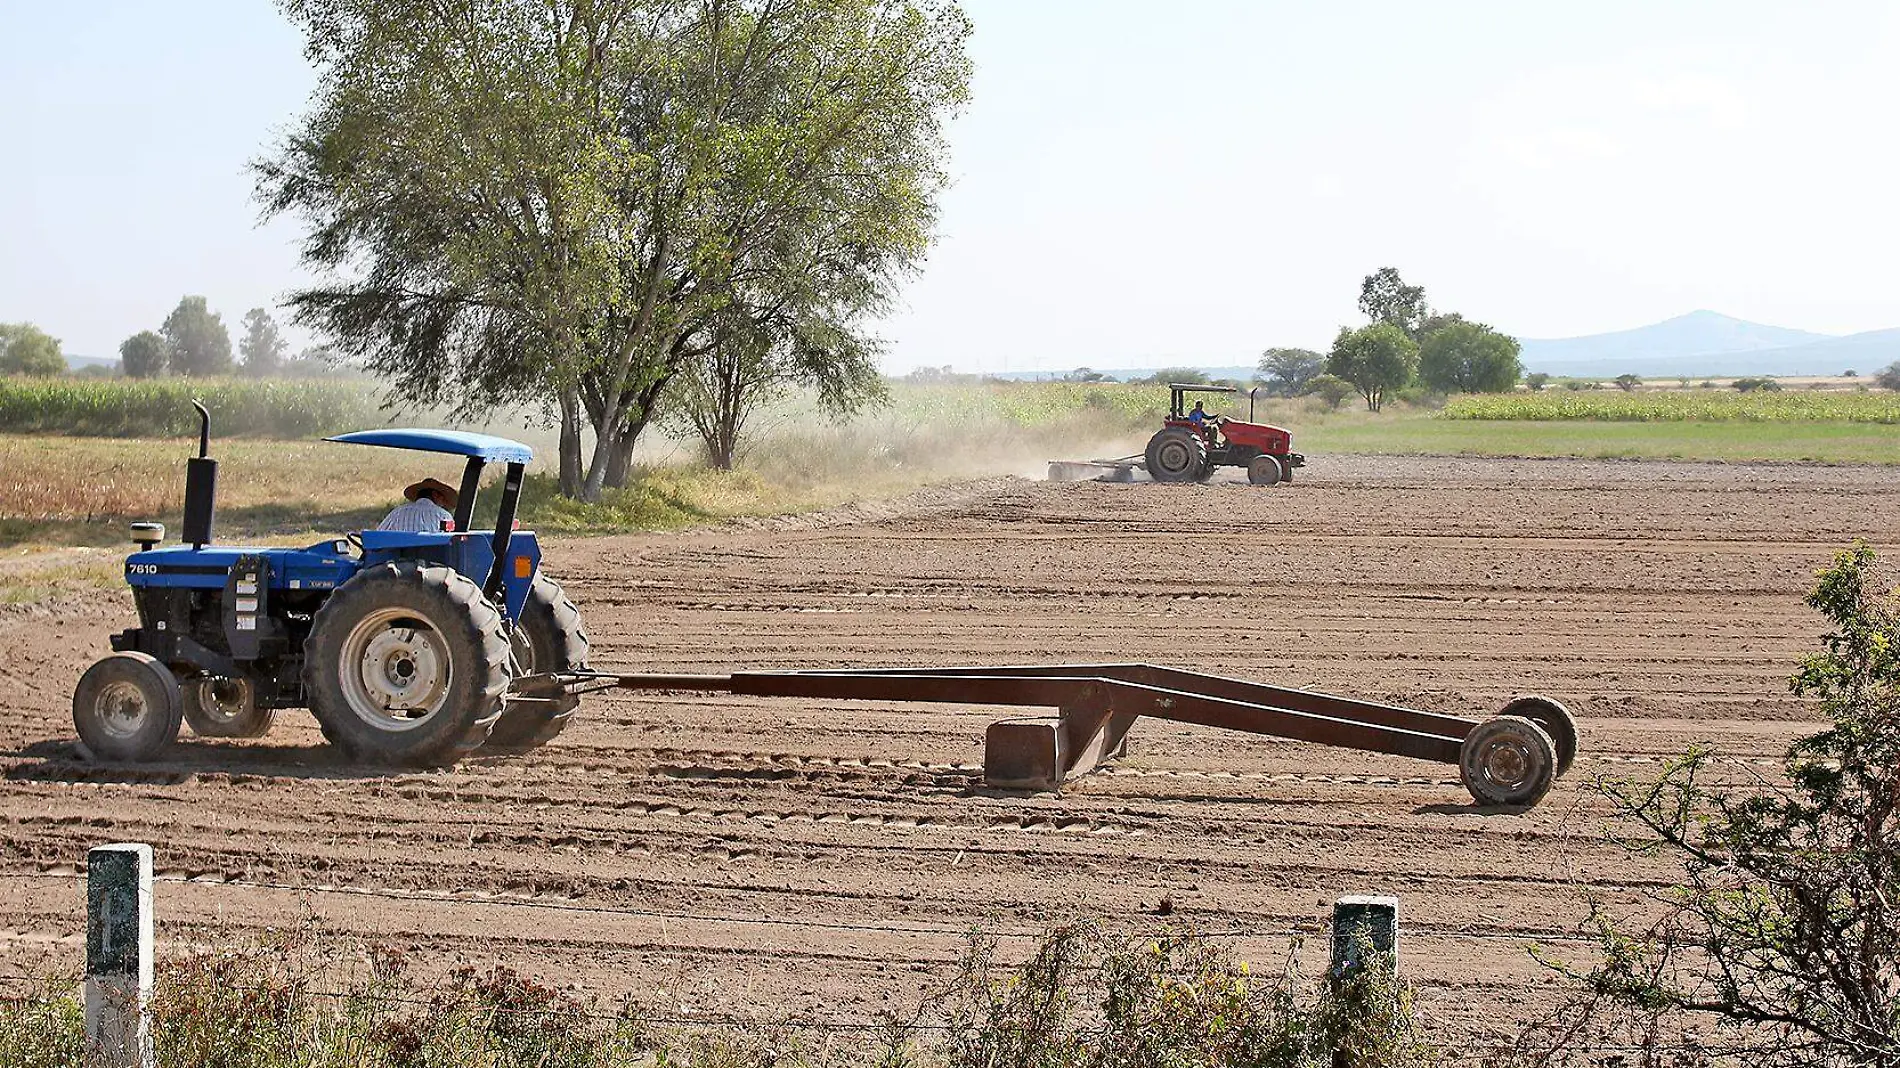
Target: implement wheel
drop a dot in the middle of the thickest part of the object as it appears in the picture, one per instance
(1508, 761)
(1176, 454)
(549, 637)
(127, 707)
(217, 707)
(406, 664)
(1264, 470)
(1556, 721)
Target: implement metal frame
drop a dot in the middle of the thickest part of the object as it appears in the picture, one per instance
(1096, 705)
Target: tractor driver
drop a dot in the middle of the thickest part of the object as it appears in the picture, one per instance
(1201, 420)
(428, 511)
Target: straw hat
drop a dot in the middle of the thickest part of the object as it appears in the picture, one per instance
(443, 493)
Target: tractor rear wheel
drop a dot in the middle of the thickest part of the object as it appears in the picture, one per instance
(127, 707)
(1264, 470)
(1556, 721)
(407, 663)
(218, 707)
(1508, 761)
(549, 637)
(1176, 454)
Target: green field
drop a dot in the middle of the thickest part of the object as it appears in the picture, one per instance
(1421, 434)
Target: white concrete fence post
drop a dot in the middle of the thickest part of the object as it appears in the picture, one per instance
(119, 954)
(1362, 922)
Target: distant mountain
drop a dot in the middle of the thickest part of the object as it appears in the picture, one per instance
(80, 363)
(1709, 343)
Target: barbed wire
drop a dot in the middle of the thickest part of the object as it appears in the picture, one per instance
(1298, 930)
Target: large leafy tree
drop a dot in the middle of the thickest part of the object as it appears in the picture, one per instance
(197, 339)
(1385, 298)
(1287, 372)
(143, 355)
(1376, 359)
(1466, 357)
(557, 201)
(25, 349)
(262, 346)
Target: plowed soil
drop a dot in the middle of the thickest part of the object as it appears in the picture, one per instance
(712, 853)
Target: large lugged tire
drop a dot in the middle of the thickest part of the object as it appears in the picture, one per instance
(217, 707)
(1176, 454)
(1556, 721)
(127, 707)
(549, 637)
(1508, 761)
(406, 663)
(1264, 470)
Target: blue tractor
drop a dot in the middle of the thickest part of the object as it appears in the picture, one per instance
(403, 645)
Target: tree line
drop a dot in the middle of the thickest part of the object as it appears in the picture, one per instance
(1404, 342)
(606, 210)
(192, 342)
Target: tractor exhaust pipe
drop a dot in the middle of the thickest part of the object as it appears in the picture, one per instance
(201, 486)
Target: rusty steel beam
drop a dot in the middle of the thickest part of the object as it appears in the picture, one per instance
(1123, 690)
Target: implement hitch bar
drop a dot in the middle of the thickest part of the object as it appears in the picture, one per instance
(1097, 704)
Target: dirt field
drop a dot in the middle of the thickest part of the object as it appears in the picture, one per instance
(718, 854)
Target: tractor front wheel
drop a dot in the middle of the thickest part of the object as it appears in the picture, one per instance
(1264, 470)
(1508, 761)
(127, 707)
(548, 637)
(1176, 454)
(407, 663)
(218, 707)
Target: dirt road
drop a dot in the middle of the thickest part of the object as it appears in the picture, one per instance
(711, 853)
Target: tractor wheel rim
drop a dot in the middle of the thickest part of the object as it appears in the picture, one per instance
(1507, 763)
(395, 670)
(221, 699)
(521, 649)
(1174, 456)
(121, 709)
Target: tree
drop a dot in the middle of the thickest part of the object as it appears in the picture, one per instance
(1888, 377)
(1085, 374)
(1330, 389)
(1463, 357)
(143, 355)
(552, 202)
(1187, 376)
(755, 358)
(1537, 380)
(25, 349)
(199, 343)
(1288, 371)
(263, 347)
(1385, 298)
(1628, 382)
(1376, 359)
(1760, 383)
(1785, 929)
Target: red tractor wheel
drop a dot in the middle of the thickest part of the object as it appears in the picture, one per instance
(1264, 470)
(1176, 454)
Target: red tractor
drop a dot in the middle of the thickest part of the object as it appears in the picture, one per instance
(1186, 449)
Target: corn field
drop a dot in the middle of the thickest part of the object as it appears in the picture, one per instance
(286, 409)
(1686, 406)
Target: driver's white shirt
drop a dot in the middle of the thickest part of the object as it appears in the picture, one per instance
(420, 516)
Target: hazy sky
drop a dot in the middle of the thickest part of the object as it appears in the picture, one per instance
(1136, 182)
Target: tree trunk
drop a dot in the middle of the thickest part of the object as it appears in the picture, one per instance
(570, 443)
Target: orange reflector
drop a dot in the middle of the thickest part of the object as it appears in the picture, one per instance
(524, 567)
